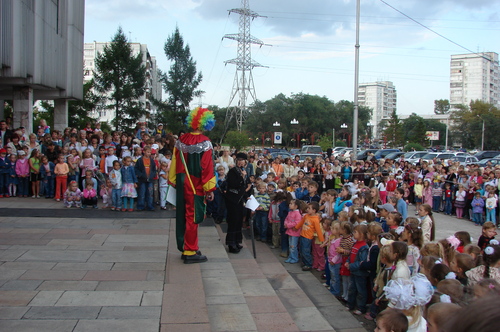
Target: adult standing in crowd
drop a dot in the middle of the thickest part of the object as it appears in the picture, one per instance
(192, 174)
(235, 198)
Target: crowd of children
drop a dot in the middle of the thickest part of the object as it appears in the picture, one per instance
(378, 261)
(88, 167)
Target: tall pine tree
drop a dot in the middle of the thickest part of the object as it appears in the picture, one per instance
(122, 78)
(179, 83)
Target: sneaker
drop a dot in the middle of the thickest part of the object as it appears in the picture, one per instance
(368, 316)
(287, 261)
(357, 312)
(325, 284)
(123, 210)
(37, 196)
(34, 196)
(130, 210)
(69, 206)
(112, 209)
(284, 254)
(306, 268)
(58, 200)
(95, 207)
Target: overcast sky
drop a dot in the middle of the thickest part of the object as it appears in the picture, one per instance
(312, 42)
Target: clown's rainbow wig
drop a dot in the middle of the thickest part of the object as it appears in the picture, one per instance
(201, 119)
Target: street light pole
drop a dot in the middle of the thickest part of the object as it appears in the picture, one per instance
(333, 138)
(482, 139)
(447, 126)
(356, 83)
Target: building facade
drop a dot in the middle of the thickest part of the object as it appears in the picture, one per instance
(153, 85)
(41, 47)
(381, 97)
(474, 76)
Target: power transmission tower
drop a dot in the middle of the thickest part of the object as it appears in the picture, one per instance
(243, 86)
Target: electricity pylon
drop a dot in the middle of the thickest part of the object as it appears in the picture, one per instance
(243, 85)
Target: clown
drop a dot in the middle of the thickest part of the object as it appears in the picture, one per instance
(192, 174)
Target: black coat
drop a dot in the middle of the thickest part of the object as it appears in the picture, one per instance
(236, 186)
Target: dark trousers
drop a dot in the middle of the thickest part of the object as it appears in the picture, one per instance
(4, 183)
(235, 213)
(357, 293)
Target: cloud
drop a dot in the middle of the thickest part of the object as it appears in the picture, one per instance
(296, 17)
(139, 9)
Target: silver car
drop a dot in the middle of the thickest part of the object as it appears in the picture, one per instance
(465, 160)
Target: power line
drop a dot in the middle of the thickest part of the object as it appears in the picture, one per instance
(374, 23)
(435, 32)
(368, 16)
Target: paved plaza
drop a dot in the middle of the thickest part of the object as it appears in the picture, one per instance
(99, 270)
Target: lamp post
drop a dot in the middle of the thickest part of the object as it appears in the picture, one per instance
(356, 84)
(333, 138)
(276, 124)
(295, 122)
(482, 135)
(482, 139)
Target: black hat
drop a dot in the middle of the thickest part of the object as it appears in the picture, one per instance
(241, 155)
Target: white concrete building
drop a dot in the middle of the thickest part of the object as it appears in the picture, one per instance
(381, 98)
(41, 47)
(474, 76)
(153, 89)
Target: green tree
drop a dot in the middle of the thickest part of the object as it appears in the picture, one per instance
(237, 139)
(414, 128)
(122, 78)
(79, 110)
(46, 112)
(316, 116)
(468, 125)
(441, 106)
(394, 130)
(180, 82)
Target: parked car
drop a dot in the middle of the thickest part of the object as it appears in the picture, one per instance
(492, 161)
(282, 154)
(380, 154)
(486, 154)
(293, 152)
(444, 156)
(465, 160)
(312, 149)
(394, 155)
(414, 156)
(339, 152)
(363, 155)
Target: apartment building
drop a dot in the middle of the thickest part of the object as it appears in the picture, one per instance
(381, 97)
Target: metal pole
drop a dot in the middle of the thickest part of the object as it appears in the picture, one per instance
(482, 140)
(447, 125)
(356, 83)
(333, 138)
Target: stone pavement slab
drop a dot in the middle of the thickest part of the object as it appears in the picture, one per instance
(130, 313)
(114, 325)
(62, 313)
(100, 298)
(26, 325)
